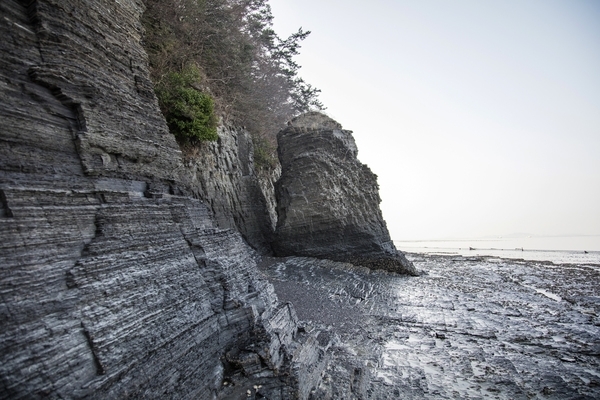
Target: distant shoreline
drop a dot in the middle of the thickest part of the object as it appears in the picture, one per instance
(552, 256)
(551, 248)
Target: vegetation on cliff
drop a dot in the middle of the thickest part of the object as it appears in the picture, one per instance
(242, 65)
(189, 112)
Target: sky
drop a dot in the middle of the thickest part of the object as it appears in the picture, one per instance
(480, 118)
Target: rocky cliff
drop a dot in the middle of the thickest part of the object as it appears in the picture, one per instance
(116, 279)
(327, 201)
(240, 198)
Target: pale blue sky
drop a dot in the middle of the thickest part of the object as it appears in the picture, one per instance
(480, 117)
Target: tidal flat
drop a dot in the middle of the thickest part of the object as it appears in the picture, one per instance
(469, 327)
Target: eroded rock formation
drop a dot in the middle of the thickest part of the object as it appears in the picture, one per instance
(115, 279)
(327, 201)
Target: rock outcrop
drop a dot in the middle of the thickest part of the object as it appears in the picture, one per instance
(327, 201)
(115, 279)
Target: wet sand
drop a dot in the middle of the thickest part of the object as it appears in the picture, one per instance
(478, 327)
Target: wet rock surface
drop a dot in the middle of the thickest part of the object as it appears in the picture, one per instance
(470, 328)
(327, 201)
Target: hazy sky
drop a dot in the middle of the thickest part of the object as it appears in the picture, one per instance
(479, 117)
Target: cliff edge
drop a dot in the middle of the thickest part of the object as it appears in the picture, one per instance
(327, 201)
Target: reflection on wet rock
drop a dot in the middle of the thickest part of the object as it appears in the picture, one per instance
(470, 328)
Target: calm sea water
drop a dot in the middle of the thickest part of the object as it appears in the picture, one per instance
(559, 249)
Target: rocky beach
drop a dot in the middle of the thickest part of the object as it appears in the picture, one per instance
(130, 269)
(471, 327)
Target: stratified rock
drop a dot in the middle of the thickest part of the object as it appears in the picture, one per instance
(115, 280)
(240, 198)
(327, 201)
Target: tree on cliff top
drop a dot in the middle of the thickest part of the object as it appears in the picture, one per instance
(244, 65)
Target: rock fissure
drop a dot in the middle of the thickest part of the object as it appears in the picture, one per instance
(90, 340)
(4, 208)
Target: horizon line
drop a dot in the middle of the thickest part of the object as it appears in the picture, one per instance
(487, 238)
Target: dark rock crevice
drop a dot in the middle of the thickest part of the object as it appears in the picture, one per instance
(90, 339)
(4, 208)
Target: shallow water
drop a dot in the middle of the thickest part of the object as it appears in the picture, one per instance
(557, 249)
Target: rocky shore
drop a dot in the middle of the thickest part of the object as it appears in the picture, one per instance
(470, 328)
(128, 270)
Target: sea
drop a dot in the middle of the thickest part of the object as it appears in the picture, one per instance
(557, 249)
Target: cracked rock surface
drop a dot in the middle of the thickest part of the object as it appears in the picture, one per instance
(477, 328)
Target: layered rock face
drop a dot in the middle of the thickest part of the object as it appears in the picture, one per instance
(240, 198)
(115, 279)
(327, 201)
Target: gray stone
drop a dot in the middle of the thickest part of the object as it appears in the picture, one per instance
(327, 201)
(240, 197)
(115, 279)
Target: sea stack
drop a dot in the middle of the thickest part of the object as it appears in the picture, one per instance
(328, 201)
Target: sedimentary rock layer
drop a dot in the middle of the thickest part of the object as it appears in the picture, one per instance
(115, 280)
(327, 201)
(240, 198)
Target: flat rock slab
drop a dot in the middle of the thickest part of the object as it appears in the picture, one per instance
(470, 328)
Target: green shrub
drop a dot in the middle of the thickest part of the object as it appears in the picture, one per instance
(264, 153)
(189, 112)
